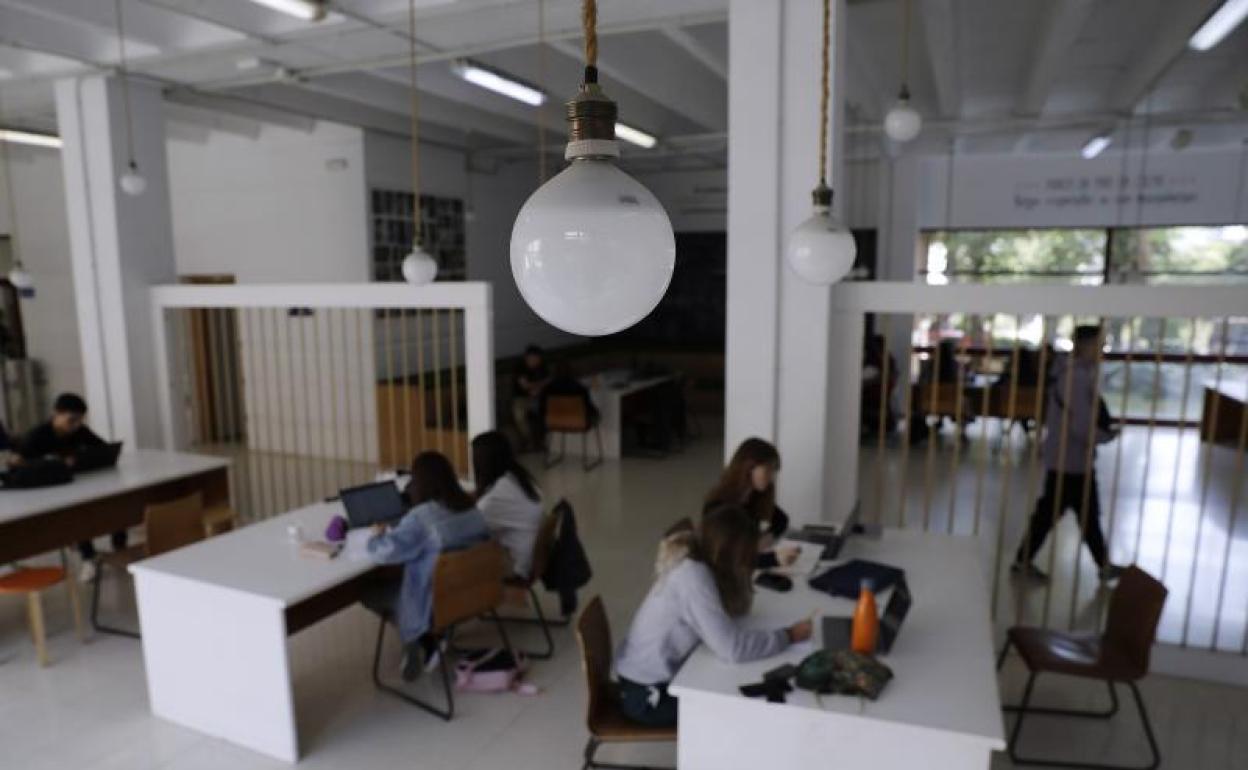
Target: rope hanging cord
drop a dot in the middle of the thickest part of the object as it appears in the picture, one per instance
(417, 228)
(823, 103)
(541, 78)
(589, 24)
(125, 81)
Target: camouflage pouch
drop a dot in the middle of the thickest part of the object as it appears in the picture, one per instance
(843, 672)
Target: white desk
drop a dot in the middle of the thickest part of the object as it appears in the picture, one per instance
(97, 502)
(215, 619)
(609, 398)
(942, 709)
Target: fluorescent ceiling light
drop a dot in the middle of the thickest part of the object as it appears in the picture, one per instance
(498, 83)
(308, 10)
(1219, 24)
(1095, 146)
(635, 136)
(26, 137)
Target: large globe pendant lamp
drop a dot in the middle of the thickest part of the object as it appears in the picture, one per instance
(592, 250)
(821, 250)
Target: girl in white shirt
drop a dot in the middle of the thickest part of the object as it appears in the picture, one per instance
(508, 498)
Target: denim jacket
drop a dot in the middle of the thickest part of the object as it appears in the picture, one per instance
(415, 542)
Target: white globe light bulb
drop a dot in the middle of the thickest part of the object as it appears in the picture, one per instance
(23, 281)
(132, 182)
(418, 267)
(592, 250)
(820, 250)
(903, 122)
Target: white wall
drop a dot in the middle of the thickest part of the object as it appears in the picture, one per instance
(288, 206)
(50, 318)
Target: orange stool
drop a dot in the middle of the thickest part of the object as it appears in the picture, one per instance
(33, 581)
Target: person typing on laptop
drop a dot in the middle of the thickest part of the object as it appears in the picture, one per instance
(61, 437)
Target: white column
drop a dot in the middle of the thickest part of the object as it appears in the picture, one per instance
(121, 245)
(784, 343)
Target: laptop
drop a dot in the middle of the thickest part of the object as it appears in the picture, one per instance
(832, 540)
(95, 457)
(376, 503)
(838, 631)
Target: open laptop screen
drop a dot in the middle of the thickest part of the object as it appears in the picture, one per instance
(377, 503)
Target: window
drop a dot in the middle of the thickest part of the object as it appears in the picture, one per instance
(1015, 256)
(1158, 255)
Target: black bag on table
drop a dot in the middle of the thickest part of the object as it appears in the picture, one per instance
(35, 474)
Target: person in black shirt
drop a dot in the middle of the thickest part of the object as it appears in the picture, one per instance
(530, 379)
(61, 437)
(750, 481)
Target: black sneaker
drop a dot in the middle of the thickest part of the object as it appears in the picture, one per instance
(1029, 571)
(1110, 572)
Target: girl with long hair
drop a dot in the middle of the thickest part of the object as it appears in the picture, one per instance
(443, 518)
(702, 586)
(749, 481)
(507, 497)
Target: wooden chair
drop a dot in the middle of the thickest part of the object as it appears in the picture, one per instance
(542, 547)
(568, 414)
(33, 581)
(467, 584)
(219, 520)
(606, 723)
(1120, 654)
(167, 527)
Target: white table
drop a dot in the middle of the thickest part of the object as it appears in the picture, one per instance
(34, 521)
(608, 391)
(942, 709)
(215, 619)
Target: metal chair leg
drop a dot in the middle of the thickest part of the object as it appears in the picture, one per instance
(552, 459)
(1025, 708)
(445, 714)
(586, 464)
(95, 606)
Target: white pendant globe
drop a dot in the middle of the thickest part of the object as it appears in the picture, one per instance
(902, 123)
(132, 182)
(820, 250)
(23, 281)
(592, 250)
(419, 268)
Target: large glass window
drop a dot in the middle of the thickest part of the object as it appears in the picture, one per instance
(1015, 256)
(1180, 254)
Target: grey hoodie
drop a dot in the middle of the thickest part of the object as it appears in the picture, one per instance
(682, 609)
(1083, 423)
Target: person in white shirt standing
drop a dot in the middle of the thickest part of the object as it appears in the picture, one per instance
(508, 497)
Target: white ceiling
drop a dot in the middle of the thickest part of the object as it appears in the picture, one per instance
(1001, 75)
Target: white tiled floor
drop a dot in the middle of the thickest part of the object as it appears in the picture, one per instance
(89, 709)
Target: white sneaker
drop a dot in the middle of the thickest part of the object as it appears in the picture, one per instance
(86, 573)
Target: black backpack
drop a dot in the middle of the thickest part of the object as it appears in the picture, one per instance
(37, 473)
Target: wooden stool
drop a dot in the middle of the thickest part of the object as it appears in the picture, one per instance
(33, 581)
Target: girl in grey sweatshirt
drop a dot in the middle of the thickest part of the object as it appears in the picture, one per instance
(702, 582)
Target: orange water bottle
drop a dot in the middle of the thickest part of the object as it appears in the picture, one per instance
(866, 621)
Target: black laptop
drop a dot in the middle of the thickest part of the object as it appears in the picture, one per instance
(376, 503)
(837, 632)
(96, 456)
(832, 539)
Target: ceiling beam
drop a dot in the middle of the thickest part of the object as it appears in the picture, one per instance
(1173, 26)
(700, 53)
(704, 107)
(940, 34)
(1062, 23)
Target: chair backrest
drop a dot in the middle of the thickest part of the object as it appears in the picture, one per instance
(593, 634)
(545, 542)
(467, 584)
(174, 524)
(1134, 612)
(566, 414)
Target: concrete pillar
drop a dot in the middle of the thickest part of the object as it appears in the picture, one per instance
(120, 246)
(785, 380)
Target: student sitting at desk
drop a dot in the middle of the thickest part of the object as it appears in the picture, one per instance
(702, 584)
(60, 437)
(443, 519)
(508, 498)
(750, 481)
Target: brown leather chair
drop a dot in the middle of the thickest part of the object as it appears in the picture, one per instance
(603, 718)
(542, 547)
(167, 527)
(568, 414)
(1120, 654)
(467, 584)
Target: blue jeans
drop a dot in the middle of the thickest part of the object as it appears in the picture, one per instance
(649, 705)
